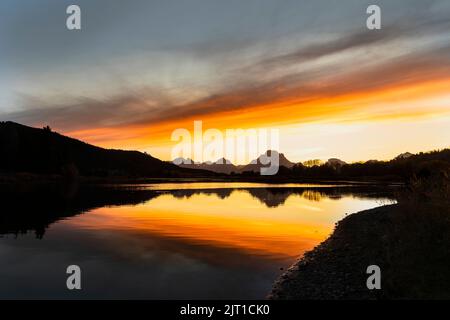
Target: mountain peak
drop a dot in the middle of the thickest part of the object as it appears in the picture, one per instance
(223, 161)
(256, 164)
(404, 155)
(335, 162)
(181, 160)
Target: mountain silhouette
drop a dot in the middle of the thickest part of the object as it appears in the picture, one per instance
(404, 155)
(25, 149)
(225, 166)
(41, 151)
(257, 164)
(220, 166)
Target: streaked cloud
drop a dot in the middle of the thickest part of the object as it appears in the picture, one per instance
(231, 65)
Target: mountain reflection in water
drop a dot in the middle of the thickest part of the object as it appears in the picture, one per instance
(155, 241)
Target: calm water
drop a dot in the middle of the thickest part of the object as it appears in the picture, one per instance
(189, 241)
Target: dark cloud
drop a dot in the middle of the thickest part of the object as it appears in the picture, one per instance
(368, 39)
(251, 85)
(147, 106)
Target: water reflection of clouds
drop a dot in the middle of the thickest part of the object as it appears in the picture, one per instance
(215, 243)
(131, 265)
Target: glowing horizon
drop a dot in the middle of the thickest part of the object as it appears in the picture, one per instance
(421, 117)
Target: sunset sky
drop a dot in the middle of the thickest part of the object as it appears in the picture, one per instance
(140, 69)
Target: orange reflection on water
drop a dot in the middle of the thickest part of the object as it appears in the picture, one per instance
(238, 221)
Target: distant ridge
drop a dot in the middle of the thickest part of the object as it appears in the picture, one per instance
(25, 149)
(223, 165)
(42, 151)
(220, 166)
(399, 169)
(257, 164)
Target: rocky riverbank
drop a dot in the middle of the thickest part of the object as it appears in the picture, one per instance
(411, 245)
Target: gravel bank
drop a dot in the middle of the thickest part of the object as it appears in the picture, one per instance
(413, 254)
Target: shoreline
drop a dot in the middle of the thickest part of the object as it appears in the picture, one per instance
(335, 269)
(412, 253)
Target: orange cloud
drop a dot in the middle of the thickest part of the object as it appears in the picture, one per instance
(400, 101)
